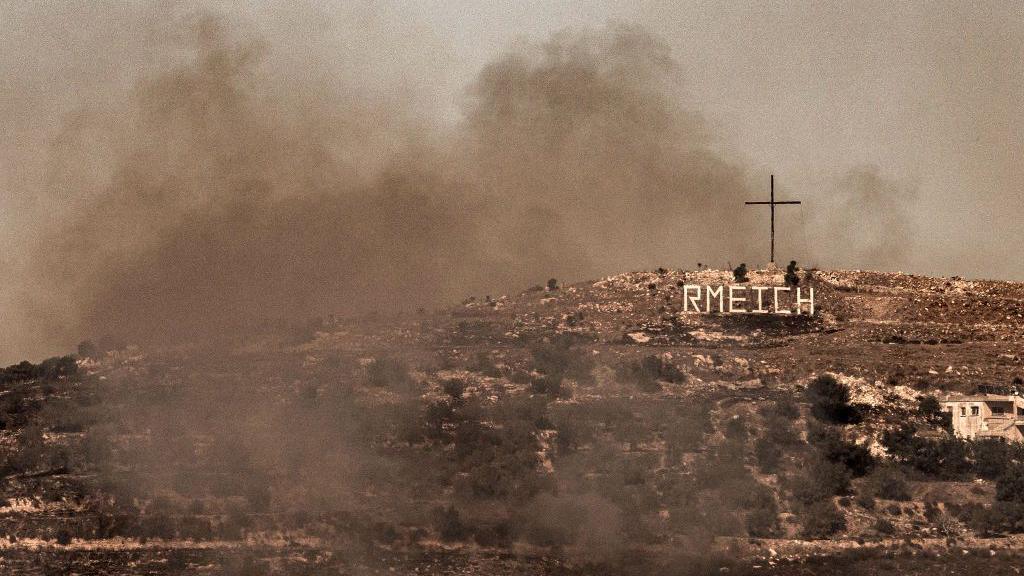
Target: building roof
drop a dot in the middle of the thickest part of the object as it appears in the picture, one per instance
(982, 398)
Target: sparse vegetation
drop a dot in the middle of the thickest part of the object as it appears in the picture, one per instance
(768, 454)
(49, 369)
(830, 401)
(889, 483)
(648, 372)
(821, 520)
(534, 422)
(387, 372)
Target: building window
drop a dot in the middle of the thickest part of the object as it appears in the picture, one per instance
(963, 411)
(974, 410)
(997, 410)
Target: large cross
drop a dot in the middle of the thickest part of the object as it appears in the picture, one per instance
(773, 203)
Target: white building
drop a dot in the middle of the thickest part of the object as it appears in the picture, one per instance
(987, 416)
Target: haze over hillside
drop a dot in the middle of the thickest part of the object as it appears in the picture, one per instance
(192, 171)
(579, 429)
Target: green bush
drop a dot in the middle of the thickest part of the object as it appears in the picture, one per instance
(387, 372)
(884, 527)
(889, 483)
(648, 372)
(1010, 485)
(834, 448)
(830, 401)
(992, 457)
(87, 349)
(449, 525)
(1002, 517)
(557, 360)
(821, 480)
(735, 430)
(768, 455)
(763, 515)
(49, 369)
(945, 458)
(866, 501)
(821, 520)
(929, 408)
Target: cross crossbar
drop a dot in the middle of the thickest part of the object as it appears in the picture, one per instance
(772, 203)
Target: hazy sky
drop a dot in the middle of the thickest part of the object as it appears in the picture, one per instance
(928, 91)
(931, 92)
(919, 102)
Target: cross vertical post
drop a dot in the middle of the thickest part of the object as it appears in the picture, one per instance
(771, 186)
(771, 204)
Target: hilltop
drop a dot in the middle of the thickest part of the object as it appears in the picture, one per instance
(577, 429)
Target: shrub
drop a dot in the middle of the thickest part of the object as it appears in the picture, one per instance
(763, 516)
(768, 455)
(884, 527)
(552, 284)
(866, 501)
(735, 430)
(497, 462)
(87, 349)
(992, 457)
(493, 536)
(928, 406)
(557, 360)
(482, 363)
(386, 372)
(778, 423)
(550, 386)
(685, 433)
(785, 409)
(945, 458)
(449, 526)
(1010, 485)
(454, 388)
(832, 446)
(1000, 518)
(49, 369)
(739, 274)
(821, 520)
(575, 427)
(830, 401)
(649, 371)
(821, 480)
(889, 483)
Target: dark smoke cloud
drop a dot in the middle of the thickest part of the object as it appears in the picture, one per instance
(589, 126)
(231, 199)
(865, 218)
(229, 185)
(228, 206)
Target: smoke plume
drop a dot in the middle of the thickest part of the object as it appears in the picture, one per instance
(218, 183)
(229, 198)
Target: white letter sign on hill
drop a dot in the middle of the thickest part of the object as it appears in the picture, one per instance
(783, 300)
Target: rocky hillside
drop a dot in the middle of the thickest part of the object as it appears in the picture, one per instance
(584, 429)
